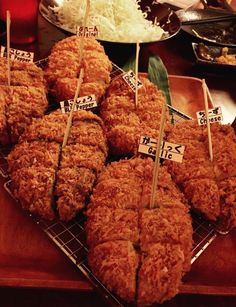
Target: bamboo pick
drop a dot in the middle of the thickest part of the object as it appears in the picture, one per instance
(80, 79)
(157, 158)
(8, 48)
(69, 121)
(204, 86)
(81, 45)
(136, 74)
(209, 95)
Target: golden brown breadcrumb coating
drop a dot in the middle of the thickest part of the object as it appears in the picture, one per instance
(160, 274)
(167, 226)
(64, 66)
(108, 224)
(204, 196)
(20, 105)
(33, 169)
(200, 178)
(73, 185)
(162, 237)
(115, 263)
(22, 74)
(227, 191)
(35, 153)
(114, 194)
(81, 159)
(4, 136)
(125, 122)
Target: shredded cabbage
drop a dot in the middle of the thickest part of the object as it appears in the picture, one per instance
(116, 20)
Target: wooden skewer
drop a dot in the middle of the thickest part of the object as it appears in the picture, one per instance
(136, 73)
(204, 86)
(157, 158)
(80, 79)
(8, 48)
(69, 121)
(81, 46)
(209, 94)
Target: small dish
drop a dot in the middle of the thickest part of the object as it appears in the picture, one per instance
(219, 33)
(215, 55)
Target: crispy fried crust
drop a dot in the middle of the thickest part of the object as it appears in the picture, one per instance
(108, 224)
(22, 74)
(162, 236)
(125, 121)
(19, 106)
(227, 191)
(73, 185)
(160, 274)
(64, 67)
(33, 170)
(80, 160)
(167, 226)
(115, 263)
(201, 179)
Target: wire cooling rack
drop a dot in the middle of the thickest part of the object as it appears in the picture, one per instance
(70, 236)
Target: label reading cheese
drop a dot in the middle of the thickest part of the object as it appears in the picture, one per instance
(130, 79)
(82, 103)
(214, 115)
(91, 31)
(169, 151)
(19, 55)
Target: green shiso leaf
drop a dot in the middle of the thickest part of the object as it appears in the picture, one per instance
(130, 64)
(158, 75)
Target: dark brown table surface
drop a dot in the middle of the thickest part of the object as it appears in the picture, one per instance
(71, 289)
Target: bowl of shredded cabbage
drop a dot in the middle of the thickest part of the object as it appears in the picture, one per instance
(121, 21)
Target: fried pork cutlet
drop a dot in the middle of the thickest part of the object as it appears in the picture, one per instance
(116, 194)
(195, 165)
(33, 187)
(167, 226)
(166, 189)
(80, 160)
(22, 104)
(227, 191)
(118, 87)
(33, 154)
(50, 127)
(201, 179)
(4, 136)
(108, 224)
(160, 274)
(125, 122)
(33, 167)
(224, 157)
(22, 74)
(162, 237)
(115, 263)
(73, 186)
(203, 195)
(83, 156)
(64, 66)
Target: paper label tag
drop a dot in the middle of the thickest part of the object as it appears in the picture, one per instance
(82, 103)
(19, 55)
(91, 31)
(214, 115)
(169, 151)
(130, 79)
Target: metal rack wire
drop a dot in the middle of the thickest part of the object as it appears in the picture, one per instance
(70, 236)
